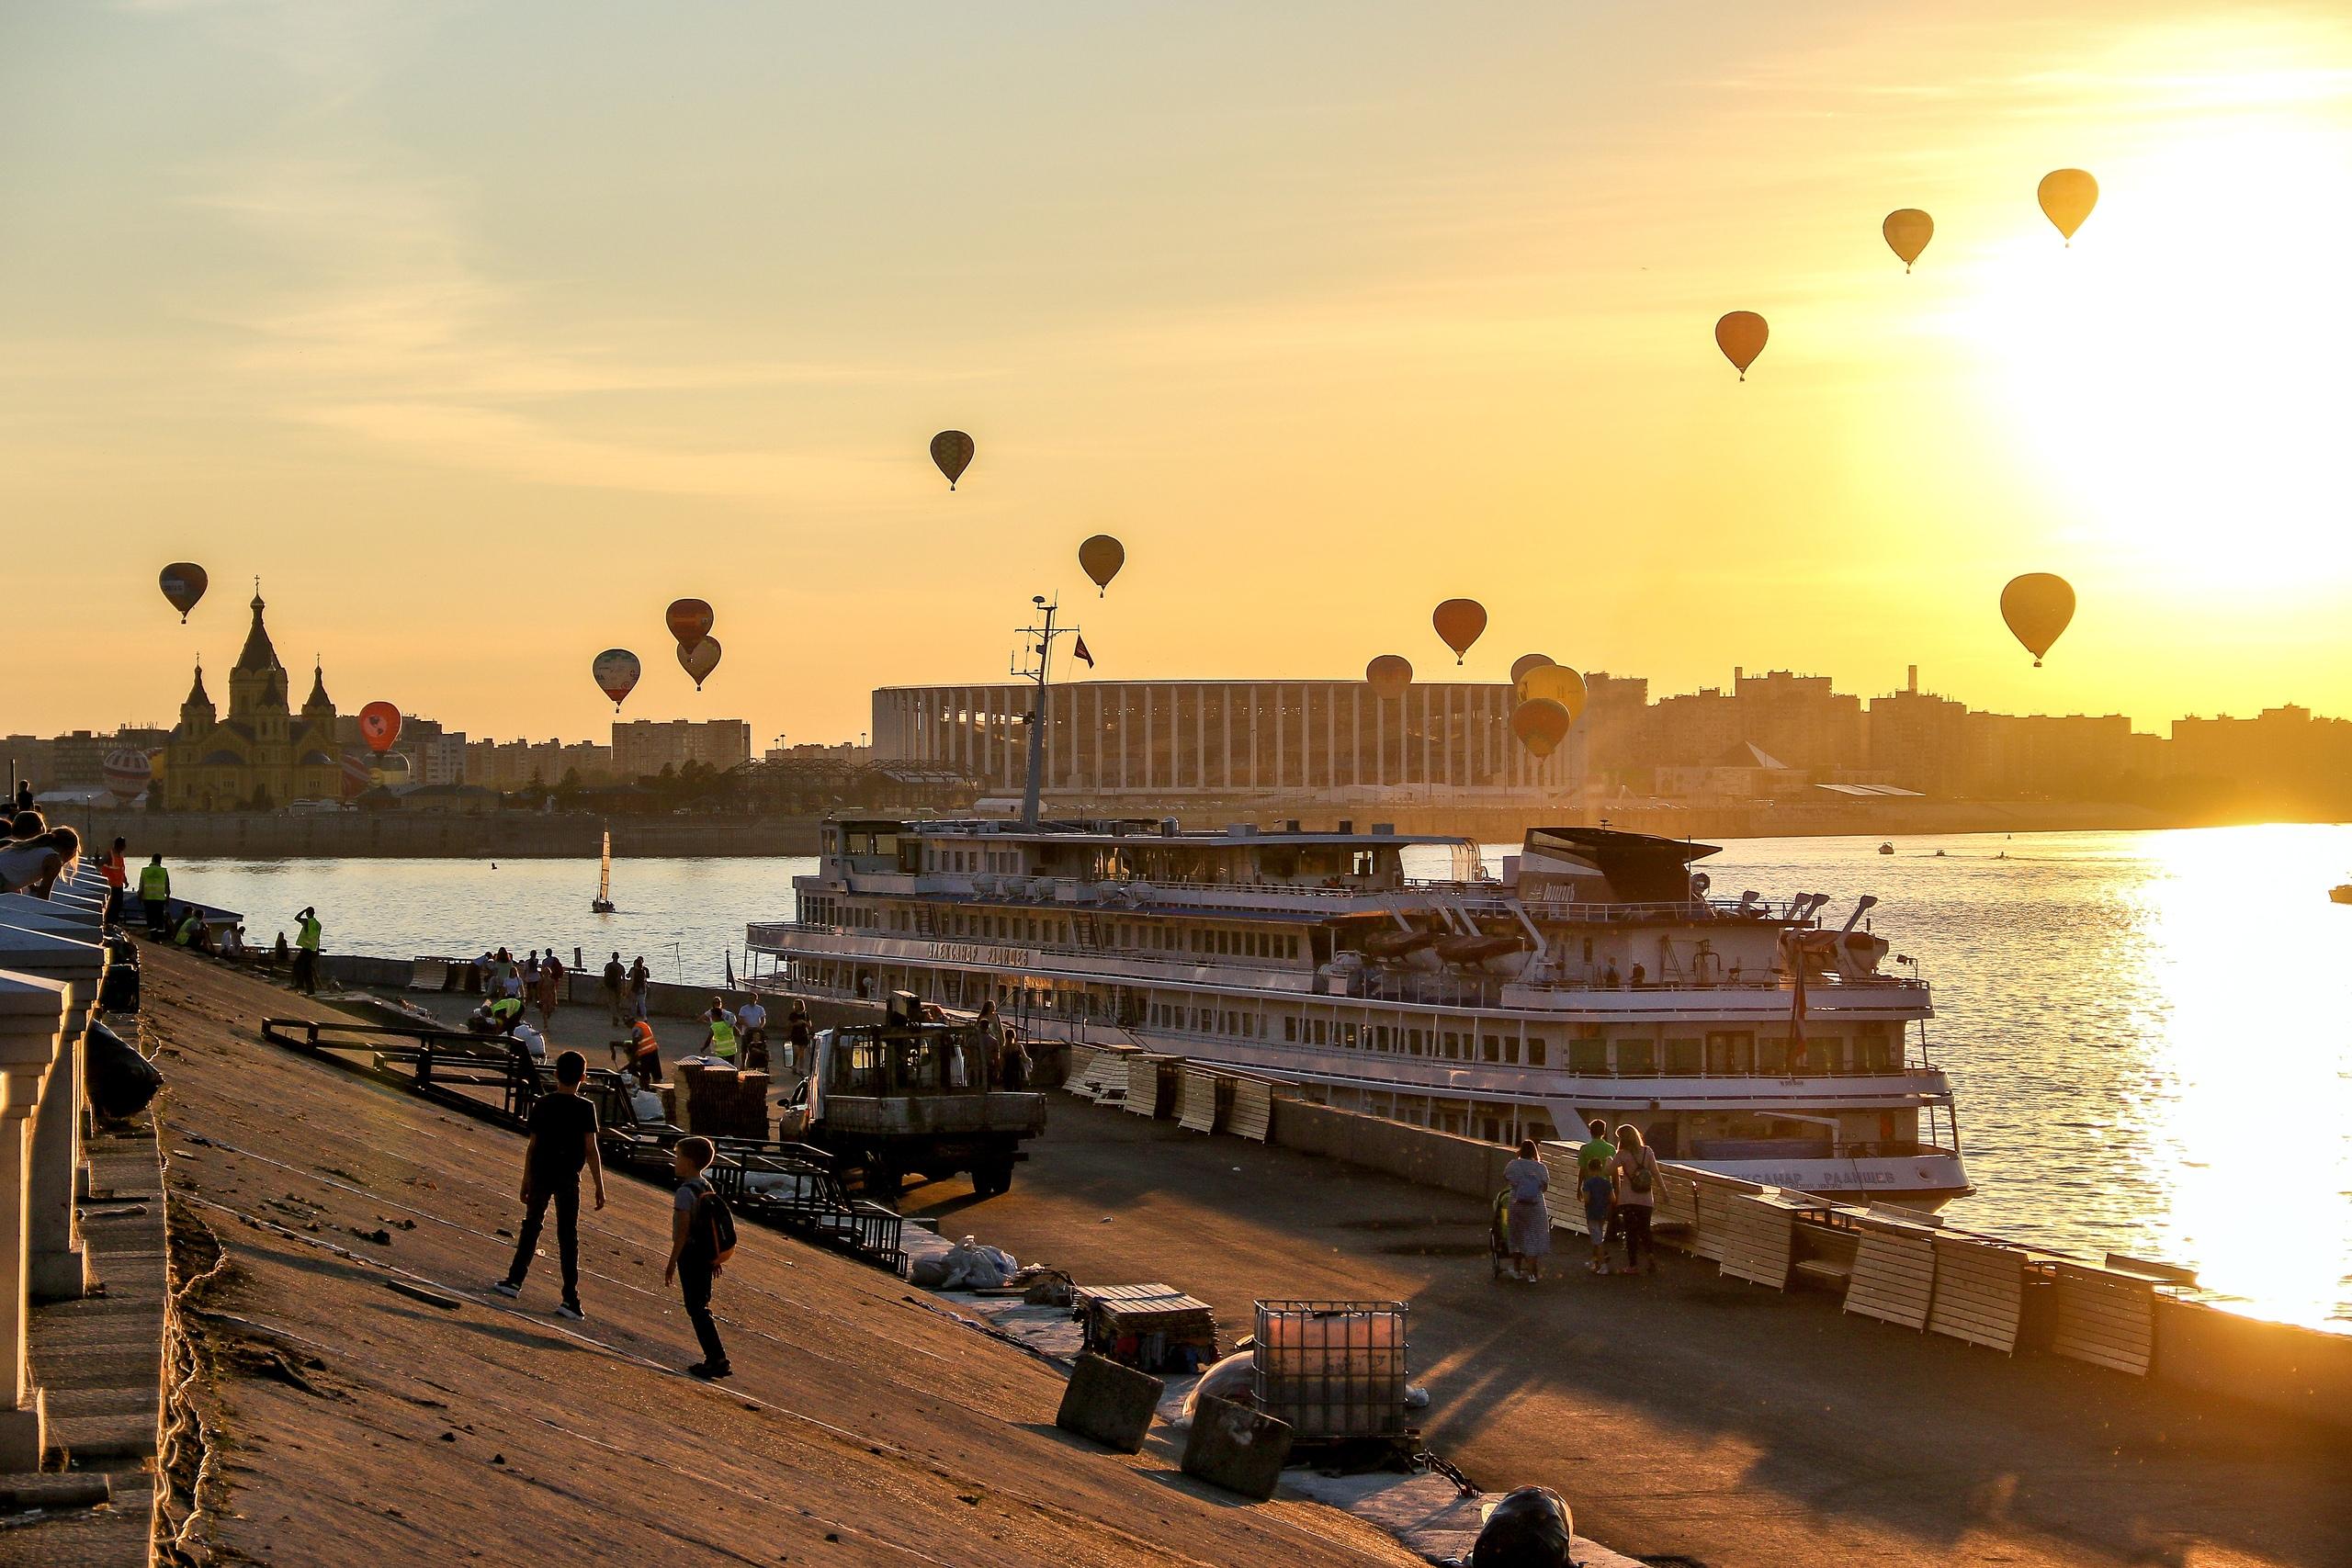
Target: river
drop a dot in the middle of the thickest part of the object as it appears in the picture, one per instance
(2149, 1034)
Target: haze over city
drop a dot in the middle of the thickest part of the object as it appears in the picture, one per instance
(482, 333)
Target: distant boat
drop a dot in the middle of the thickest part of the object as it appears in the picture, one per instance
(1886, 848)
(2340, 893)
(603, 905)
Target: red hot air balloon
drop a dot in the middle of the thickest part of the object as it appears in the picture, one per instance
(701, 660)
(616, 670)
(380, 726)
(1741, 337)
(690, 620)
(1459, 622)
(184, 583)
(952, 450)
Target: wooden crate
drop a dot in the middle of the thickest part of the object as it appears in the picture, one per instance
(1980, 1293)
(1758, 1238)
(2105, 1317)
(1196, 1104)
(1895, 1274)
(1252, 1116)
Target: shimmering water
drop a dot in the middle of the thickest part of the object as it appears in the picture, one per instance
(2149, 1034)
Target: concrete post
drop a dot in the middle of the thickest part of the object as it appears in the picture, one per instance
(59, 1270)
(32, 1013)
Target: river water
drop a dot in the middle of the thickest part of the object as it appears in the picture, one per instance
(2149, 1034)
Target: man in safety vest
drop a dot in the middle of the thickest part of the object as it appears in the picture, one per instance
(496, 1016)
(156, 896)
(306, 952)
(643, 1052)
(721, 1040)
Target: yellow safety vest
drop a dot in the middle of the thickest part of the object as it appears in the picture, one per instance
(154, 882)
(310, 937)
(723, 1038)
(505, 1008)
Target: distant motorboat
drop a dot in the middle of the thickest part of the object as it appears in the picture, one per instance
(1886, 848)
(603, 903)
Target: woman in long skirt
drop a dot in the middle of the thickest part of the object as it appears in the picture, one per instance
(1531, 1224)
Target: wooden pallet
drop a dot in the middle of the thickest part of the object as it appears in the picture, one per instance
(1196, 1103)
(1564, 1200)
(1252, 1116)
(1980, 1293)
(1895, 1274)
(1758, 1238)
(2106, 1318)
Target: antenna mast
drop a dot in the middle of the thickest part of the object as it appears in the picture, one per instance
(1040, 648)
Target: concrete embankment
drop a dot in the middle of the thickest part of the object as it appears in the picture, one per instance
(369, 1399)
(436, 835)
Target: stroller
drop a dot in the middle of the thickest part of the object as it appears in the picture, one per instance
(1499, 1235)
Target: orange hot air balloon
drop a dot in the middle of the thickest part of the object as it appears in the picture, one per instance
(2037, 606)
(701, 660)
(952, 450)
(2067, 197)
(1459, 622)
(1741, 337)
(616, 670)
(1557, 683)
(1541, 725)
(1526, 662)
(380, 726)
(1101, 556)
(184, 583)
(690, 621)
(1389, 675)
(1907, 232)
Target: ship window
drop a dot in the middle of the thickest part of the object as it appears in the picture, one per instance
(1453, 1045)
(1290, 1029)
(1637, 1057)
(1772, 1053)
(1419, 1047)
(1587, 1057)
(1682, 1058)
(1511, 1048)
(1494, 1049)
(1534, 1050)
(1322, 1031)
(1348, 1031)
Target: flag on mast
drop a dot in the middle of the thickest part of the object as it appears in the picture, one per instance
(1081, 652)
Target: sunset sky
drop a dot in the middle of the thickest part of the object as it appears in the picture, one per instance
(480, 332)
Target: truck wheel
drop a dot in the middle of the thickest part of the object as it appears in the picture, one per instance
(882, 1181)
(991, 1176)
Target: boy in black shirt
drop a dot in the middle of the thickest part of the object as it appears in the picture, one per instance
(563, 1138)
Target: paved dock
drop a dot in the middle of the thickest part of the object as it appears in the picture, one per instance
(1687, 1417)
(372, 1401)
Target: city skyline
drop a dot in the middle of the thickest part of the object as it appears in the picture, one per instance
(1334, 319)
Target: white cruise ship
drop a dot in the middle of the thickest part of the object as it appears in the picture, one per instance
(1594, 978)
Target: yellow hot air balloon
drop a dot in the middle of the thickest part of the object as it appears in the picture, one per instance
(1554, 683)
(1459, 622)
(1741, 337)
(1388, 675)
(1907, 232)
(1526, 662)
(2067, 197)
(1541, 725)
(1101, 556)
(2037, 606)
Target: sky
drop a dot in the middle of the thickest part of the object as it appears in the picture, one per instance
(480, 332)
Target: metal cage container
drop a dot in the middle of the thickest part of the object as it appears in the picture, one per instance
(1332, 1369)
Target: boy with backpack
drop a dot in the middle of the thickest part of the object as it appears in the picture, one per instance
(702, 1239)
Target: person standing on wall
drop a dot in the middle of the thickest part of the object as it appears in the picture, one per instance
(616, 990)
(306, 951)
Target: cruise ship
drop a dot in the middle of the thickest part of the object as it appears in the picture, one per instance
(1397, 975)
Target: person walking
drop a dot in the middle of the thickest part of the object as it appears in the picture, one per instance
(117, 871)
(1636, 1194)
(1531, 1221)
(156, 896)
(306, 951)
(702, 1237)
(641, 986)
(801, 1037)
(550, 989)
(1597, 1184)
(639, 1052)
(751, 1025)
(563, 1139)
(616, 989)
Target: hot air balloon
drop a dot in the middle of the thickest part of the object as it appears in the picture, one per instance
(1554, 683)
(2037, 606)
(1388, 675)
(1459, 622)
(2067, 197)
(1526, 662)
(1741, 337)
(952, 450)
(1907, 232)
(616, 670)
(184, 583)
(690, 620)
(127, 773)
(1541, 725)
(701, 660)
(380, 726)
(1101, 556)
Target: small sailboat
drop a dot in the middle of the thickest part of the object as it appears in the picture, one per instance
(1887, 848)
(603, 900)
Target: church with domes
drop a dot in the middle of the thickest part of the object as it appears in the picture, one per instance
(264, 755)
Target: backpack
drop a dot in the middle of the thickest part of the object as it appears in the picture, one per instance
(713, 1225)
(1643, 1173)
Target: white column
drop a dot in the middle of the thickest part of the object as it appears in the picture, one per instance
(32, 1013)
(1355, 735)
(1094, 746)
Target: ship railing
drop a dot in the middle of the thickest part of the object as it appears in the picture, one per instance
(770, 934)
(1765, 982)
(1499, 898)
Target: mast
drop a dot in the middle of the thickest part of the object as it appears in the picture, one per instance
(1042, 649)
(604, 873)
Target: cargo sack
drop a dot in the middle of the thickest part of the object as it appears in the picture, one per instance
(118, 1080)
(1529, 1528)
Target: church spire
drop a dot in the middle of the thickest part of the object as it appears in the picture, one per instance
(318, 697)
(258, 653)
(196, 692)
